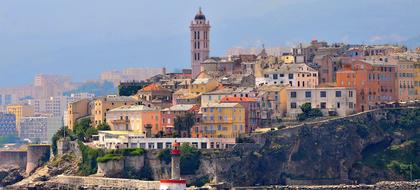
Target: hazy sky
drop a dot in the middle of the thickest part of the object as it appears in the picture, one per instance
(81, 38)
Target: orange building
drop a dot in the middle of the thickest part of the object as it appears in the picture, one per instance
(135, 118)
(374, 80)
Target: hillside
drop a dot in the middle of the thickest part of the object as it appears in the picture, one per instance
(365, 148)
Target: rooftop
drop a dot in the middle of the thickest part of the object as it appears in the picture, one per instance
(221, 105)
(133, 108)
(237, 99)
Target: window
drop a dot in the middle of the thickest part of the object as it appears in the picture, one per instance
(323, 94)
(351, 105)
(293, 105)
(212, 110)
(323, 105)
(350, 93)
(275, 76)
(308, 94)
(293, 94)
(219, 127)
(290, 76)
(338, 104)
(337, 93)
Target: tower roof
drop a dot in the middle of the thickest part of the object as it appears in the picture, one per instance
(200, 15)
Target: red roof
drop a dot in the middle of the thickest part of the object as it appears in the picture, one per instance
(237, 99)
(152, 87)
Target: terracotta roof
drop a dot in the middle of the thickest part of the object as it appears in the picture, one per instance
(152, 87)
(237, 99)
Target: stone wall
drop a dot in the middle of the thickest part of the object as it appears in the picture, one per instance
(389, 185)
(111, 168)
(103, 183)
(13, 158)
(117, 168)
(37, 155)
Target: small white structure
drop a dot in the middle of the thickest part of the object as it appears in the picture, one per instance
(130, 139)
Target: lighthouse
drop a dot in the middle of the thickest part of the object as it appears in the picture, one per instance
(175, 183)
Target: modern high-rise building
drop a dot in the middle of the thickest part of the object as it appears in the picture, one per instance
(7, 124)
(200, 41)
(23, 110)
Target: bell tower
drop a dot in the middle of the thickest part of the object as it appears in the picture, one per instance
(200, 41)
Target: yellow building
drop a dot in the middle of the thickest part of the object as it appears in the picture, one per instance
(77, 110)
(287, 58)
(417, 78)
(203, 83)
(104, 104)
(20, 110)
(226, 120)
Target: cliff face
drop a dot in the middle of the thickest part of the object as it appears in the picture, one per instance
(364, 148)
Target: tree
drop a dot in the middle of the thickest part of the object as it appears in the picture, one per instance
(308, 112)
(190, 159)
(103, 127)
(184, 124)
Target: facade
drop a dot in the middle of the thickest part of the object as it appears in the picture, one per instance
(34, 129)
(54, 105)
(7, 124)
(203, 83)
(135, 118)
(23, 110)
(272, 102)
(252, 111)
(287, 58)
(103, 104)
(169, 115)
(294, 75)
(200, 41)
(406, 75)
(373, 80)
(156, 94)
(328, 67)
(225, 120)
(75, 111)
(127, 139)
(330, 100)
(215, 96)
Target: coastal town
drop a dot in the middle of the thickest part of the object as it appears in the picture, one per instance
(217, 104)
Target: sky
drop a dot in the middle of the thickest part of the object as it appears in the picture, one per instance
(82, 38)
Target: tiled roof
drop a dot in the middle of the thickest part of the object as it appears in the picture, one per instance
(237, 99)
(220, 105)
(152, 87)
(133, 108)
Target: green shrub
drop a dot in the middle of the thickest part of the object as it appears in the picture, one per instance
(109, 157)
(165, 156)
(89, 163)
(190, 159)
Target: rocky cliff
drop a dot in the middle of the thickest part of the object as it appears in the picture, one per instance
(364, 148)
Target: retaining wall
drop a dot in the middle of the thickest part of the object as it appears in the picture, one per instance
(36, 156)
(104, 183)
(13, 158)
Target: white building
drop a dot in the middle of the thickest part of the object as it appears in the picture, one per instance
(340, 100)
(127, 139)
(294, 75)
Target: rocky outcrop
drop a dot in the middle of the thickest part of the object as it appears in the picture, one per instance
(336, 151)
(10, 176)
